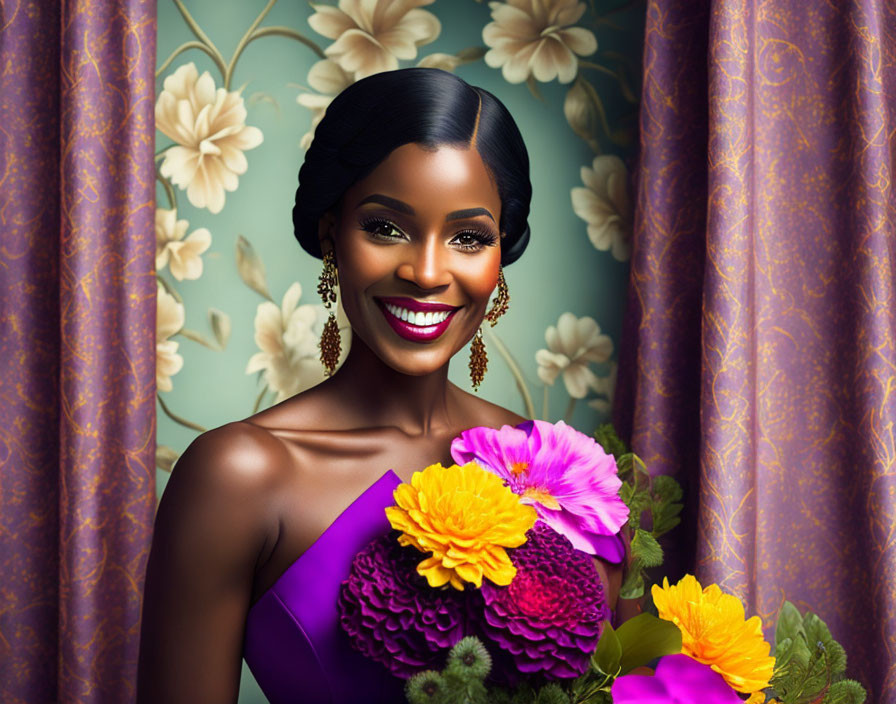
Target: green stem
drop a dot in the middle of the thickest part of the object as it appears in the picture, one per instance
(545, 409)
(177, 419)
(623, 6)
(197, 337)
(212, 50)
(288, 32)
(180, 50)
(598, 67)
(169, 190)
(599, 107)
(244, 40)
(570, 408)
(257, 405)
(169, 288)
(514, 370)
(620, 79)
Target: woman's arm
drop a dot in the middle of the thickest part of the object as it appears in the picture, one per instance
(213, 524)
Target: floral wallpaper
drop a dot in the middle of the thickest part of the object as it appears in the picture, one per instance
(239, 93)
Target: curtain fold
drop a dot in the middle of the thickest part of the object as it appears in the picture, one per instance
(77, 339)
(759, 356)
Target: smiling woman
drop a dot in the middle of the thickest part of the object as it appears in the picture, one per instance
(415, 192)
(418, 254)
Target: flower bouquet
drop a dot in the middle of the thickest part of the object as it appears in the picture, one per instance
(487, 589)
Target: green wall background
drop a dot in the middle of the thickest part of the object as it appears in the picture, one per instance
(560, 272)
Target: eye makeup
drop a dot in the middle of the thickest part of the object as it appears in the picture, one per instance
(470, 239)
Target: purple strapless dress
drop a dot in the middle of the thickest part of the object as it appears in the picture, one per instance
(294, 644)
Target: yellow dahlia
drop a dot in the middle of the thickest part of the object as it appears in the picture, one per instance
(465, 517)
(714, 632)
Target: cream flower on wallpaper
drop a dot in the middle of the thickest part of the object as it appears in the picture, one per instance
(328, 79)
(288, 337)
(169, 320)
(181, 255)
(572, 345)
(210, 129)
(372, 35)
(604, 204)
(537, 38)
(604, 386)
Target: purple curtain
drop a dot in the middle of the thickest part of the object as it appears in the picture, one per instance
(759, 356)
(77, 343)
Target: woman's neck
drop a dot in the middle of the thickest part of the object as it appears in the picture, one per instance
(381, 396)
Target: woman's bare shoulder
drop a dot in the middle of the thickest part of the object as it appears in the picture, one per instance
(479, 412)
(238, 455)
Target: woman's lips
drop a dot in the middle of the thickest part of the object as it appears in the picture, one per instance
(418, 321)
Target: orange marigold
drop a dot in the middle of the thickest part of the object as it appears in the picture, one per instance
(713, 631)
(465, 517)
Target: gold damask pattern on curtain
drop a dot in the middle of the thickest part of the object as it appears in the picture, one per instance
(77, 315)
(759, 362)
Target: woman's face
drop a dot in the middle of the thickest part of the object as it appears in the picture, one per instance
(417, 248)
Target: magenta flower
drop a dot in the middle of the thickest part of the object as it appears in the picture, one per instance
(548, 620)
(679, 679)
(564, 474)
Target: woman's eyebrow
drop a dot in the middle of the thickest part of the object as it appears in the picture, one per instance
(393, 203)
(469, 213)
(402, 207)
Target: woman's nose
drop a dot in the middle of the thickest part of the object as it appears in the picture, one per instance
(426, 265)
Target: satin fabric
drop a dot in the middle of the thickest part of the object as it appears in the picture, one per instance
(294, 643)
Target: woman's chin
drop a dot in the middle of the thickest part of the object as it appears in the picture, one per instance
(411, 364)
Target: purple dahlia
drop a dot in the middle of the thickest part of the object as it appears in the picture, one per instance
(548, 620)
(393, 616)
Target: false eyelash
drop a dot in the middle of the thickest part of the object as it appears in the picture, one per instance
(370, 224)
(483, 237)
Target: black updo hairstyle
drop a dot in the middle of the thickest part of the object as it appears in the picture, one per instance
(426, 106)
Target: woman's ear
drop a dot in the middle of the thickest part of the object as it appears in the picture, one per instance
(325, 229)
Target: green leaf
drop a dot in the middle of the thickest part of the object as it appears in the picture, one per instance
(647, 549)
(836, 657)
(667, 489)
(845, 692)
(608, 653)
(472, 53)
(644, 638)
(816, 629)
(533, 88)
(606, 437)
(251, 268)
(665, 519)
(221, 327)
(790, 623)
(802, 656)
(197, 337)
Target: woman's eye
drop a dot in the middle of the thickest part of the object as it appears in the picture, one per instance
(473, 241)
(382, 229)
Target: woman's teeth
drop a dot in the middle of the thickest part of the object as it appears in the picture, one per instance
(419, 318)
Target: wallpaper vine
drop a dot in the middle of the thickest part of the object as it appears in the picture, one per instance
(235, 293)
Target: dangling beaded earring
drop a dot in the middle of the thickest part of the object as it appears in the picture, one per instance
(330, 343)
(478, 356)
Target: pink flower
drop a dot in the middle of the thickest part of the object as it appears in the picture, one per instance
(678, 680)
(565, 475)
